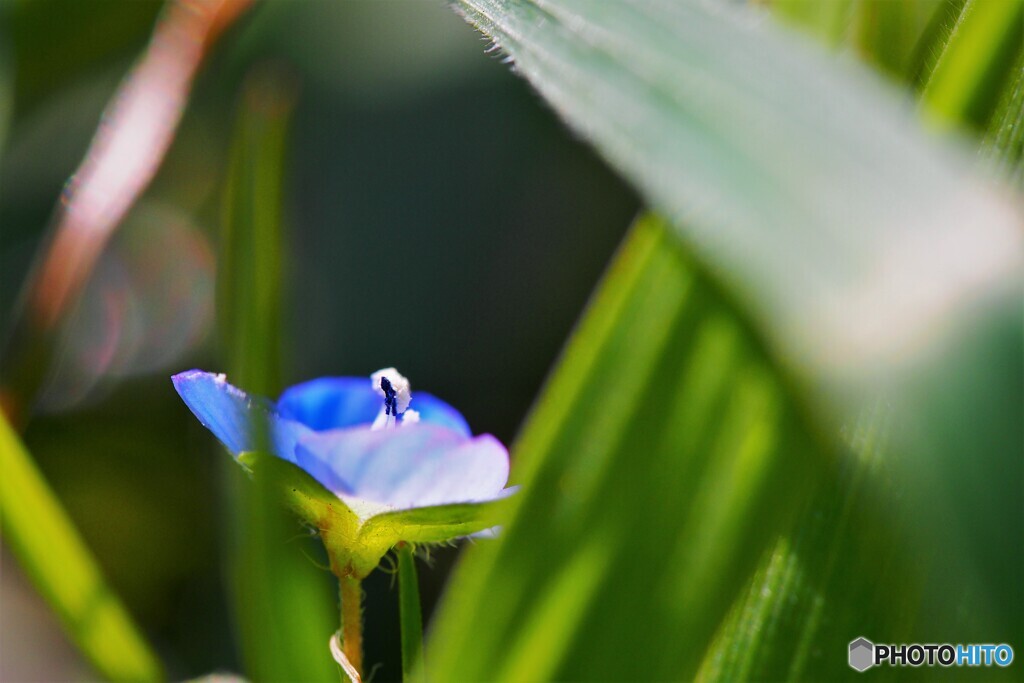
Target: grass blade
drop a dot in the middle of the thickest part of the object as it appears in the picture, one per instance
(650, 471)
(811, 193)
(284, 604)
(50, 550)
(798, 179)
(974, 63)
(875, 261)
(1005, 139)
(409, 611)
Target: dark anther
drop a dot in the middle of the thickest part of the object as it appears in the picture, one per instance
(390, 397)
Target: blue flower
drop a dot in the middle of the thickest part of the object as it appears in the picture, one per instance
(369, 442)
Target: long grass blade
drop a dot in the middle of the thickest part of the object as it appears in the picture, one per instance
(878, 268)
(652, 471)
(974, 63)
(45, 541)
(409, 611)
(873, 258)
(284, 605)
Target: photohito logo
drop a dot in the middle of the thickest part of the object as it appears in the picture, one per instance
(864, 654)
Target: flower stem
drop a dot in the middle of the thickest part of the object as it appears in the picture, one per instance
(409, 606)
(352, 620)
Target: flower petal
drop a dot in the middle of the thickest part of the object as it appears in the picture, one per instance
(435, 411)
(331, 403)
(236, 418)
(338, 402)
(407, 467)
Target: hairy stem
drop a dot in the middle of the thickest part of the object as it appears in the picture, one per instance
(352, 620)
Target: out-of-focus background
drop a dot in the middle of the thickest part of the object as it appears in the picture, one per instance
(439, 219)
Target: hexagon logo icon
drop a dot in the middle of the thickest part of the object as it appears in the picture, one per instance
(862, 654)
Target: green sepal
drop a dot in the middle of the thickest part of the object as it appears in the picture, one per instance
(356, 545)
(435, 523)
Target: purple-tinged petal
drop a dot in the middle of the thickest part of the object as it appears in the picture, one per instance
(236, 418)
(339, 402)
(407, 467)
(433, 410)
(331, 403)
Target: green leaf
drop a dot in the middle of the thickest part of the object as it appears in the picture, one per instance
(884, 33)
(877, 268)
(872, 257)
(30, 31)
(38, 531)
(929, 45)
(435, 523)
(6, 96)
(1005, 139)
(842, 569)
(651, 471)
(827, 19)
(409, 612)
(897, 37)
(280, 596)
(249, 289)
(887, 34)
(804, 183)
(975, 61)
(356, 545)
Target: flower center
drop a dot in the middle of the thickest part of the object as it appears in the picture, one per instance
(394, 388)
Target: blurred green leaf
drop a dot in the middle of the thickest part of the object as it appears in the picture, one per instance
(804, 182)
(64, 571)
(1005, 139)
(884, 33)
(660, 463)
(929, 45)
(284, 606)
(842, 569)
(829, 20)
(897, 37)
(36, 27)
(252, 241)
(975, 61)
(879, 270)
(887, 34)
(6, 93)
(833, 554)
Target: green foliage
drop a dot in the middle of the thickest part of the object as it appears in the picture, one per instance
(829, 20)
(795, 214)
(43, 70)
(280, 596)
(662, 460)
(354, 544)
(409, 610)
(789, 417)
(886, 34)
(45, 541)
(697, 502)
(1005, 139)
(975, 61)
(249, 288)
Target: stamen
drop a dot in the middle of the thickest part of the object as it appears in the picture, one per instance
(395, 390)
(390, 397)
